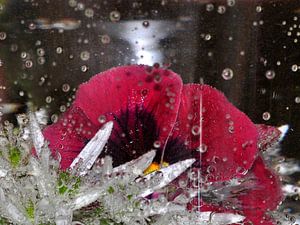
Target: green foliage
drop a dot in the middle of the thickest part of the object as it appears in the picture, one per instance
(14, 156)
(30, 210)
(68, 183)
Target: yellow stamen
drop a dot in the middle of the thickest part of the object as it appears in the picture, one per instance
(154, 167)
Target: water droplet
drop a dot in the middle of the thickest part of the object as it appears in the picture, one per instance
(297, 99)
(28, 63)
(241, 170)
(2, 36)
(195, 130)
(105, 39)
(32, 26)
(85, 55)
(84, 68)
(227, 74)
(270, 74)
(207, 37)
(41, 60)
(266, 116)
(230, 3)
(1, 63)
(40, 52)
(80, 6)
(146, 23)
(231, 129)
(202, 148)
(221, 9)
(23, 55)
(14, 47)
(62, 108)
(102, 119)
(294, 68)
(89, 12)
(48, 99)
(258, 8)
(59, 50)
(209, 7)
(115, 16)
(65, 87)
(54, 118)
(21, 93)
(72, 3)
(156, 144)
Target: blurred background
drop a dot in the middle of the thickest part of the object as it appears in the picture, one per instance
(249, 49)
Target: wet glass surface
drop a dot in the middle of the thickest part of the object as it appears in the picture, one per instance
(249, 50)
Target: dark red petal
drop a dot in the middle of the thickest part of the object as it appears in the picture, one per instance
(266, 193)
(267, 136)
(131, 88)
(142, 101)
(69, 135)
(229, 138)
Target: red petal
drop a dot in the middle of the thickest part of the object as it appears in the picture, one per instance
(267, 136)
(69, 135)
(228, 136)
(266, 194)
(122, 94)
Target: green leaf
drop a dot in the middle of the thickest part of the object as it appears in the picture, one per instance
(30, 210)
(110, 190)
(14, 155)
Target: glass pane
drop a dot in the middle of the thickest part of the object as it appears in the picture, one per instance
(216, 81)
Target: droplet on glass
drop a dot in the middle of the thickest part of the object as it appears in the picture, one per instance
(266, 116)
(146, 23)
(48, 99)
(156, 144)
(227, 74)
(23, 55)
(230, 3)
(62, 108)
(105, 39)
(85, 55)
(202, 148)
(41, 60)
(2, 36)
(221, 9)
(59, 50)
(28, 64)
(258, 8)
(40, 52)
(84, 68)
(270, 74)
(54, 118)
(32, 26)
(102, 119)
(80, 6)
(14, 48)
(209, 7)
(294, 68)
(195, 130)
(115, 16)
(89, 12)
(65, 87)
(297, 100)
(72, 3)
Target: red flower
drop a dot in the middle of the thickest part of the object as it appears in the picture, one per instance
(150, 109)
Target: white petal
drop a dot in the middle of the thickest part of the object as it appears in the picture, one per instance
(87, 157)
(283, 129)
(36, 133)
(169, 174)
(137, 166)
